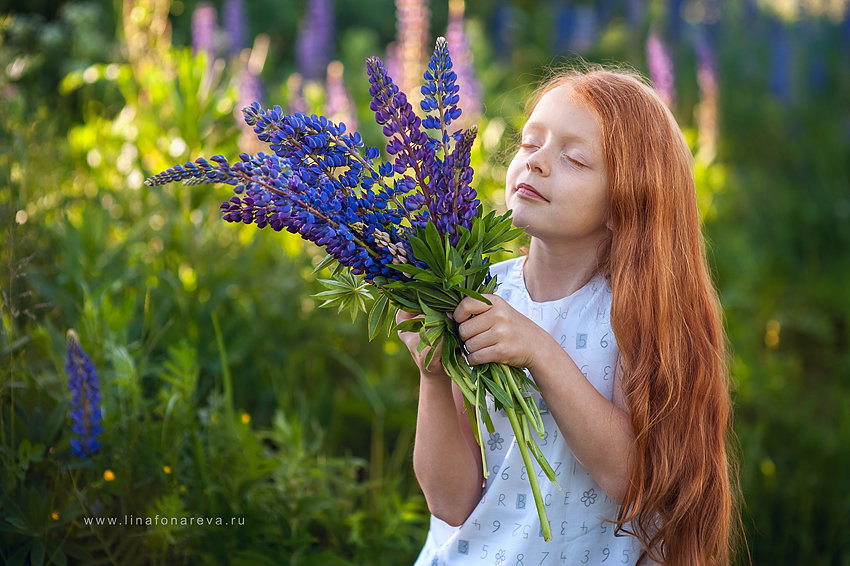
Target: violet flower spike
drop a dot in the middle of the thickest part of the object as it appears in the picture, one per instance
(84, 385)
(400, 124)
(441, 92)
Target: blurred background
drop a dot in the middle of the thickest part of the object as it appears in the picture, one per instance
(225, 391)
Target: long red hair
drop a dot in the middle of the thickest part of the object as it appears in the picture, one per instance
(682, 491)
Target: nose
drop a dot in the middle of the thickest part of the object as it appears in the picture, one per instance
(538, 163)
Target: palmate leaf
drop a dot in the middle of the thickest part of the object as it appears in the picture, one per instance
(345, 291)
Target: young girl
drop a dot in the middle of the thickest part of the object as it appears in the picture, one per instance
(615, 316)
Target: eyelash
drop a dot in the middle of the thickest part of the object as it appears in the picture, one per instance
(574, 161)
(527, 145)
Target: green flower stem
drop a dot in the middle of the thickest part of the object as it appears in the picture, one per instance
(532, 476)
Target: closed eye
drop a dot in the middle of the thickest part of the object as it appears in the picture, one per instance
(574, 161)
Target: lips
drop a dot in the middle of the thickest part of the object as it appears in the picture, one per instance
(527, 191)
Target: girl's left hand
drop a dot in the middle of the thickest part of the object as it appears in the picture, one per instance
(497, 332)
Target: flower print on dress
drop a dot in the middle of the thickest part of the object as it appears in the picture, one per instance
(495, 441)
(501, 556)
(589, 497)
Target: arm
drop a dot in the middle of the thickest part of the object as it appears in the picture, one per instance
(598, 431)
(446, 458)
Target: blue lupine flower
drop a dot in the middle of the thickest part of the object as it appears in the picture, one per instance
(322, 182)
(84, 384)
(440, 91)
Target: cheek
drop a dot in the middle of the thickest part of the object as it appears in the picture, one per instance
(514, 168)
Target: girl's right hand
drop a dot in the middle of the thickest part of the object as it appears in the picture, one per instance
(411, 340)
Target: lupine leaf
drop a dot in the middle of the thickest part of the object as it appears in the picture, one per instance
(409, 325)
(497, 391)
(327, 261)
(377, 316)
(423, 253)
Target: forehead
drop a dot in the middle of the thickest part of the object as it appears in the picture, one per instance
(561, 113)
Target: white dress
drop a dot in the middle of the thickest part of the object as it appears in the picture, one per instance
(504, 529)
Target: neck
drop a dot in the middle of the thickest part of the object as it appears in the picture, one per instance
(553, 272)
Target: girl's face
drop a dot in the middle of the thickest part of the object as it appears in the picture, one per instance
(557, 183)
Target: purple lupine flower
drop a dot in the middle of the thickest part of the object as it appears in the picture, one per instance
(455, 201)
(84, 385)
(338, 105)
(470, 88)
(660, 69)
(204, 28)
(780, 61)
(412, 18)
(315, 39)
(236, 27)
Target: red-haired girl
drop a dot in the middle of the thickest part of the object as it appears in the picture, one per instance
(614, 314)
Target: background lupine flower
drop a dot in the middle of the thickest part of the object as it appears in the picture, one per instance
(603, 10)
(470, 88)
(675, 19)
(204, 29)
(563, 24)
(315, 39)
(393, 60)
(780, 61)
(503, 26)
(236, 27)
(635, 12)
(660, 69)
(586, 28)
(84, 385)
(707, 110)
(338, 105)
(412, 17)
(295, 89)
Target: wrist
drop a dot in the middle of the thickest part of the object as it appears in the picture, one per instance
(546, 347)
(435, 376)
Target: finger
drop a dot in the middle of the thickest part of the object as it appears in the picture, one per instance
(403, 315)
(474, 326)
(483, 356)
(480, 342)
(469, 307)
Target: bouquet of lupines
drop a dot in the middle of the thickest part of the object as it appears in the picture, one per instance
(410, 227)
